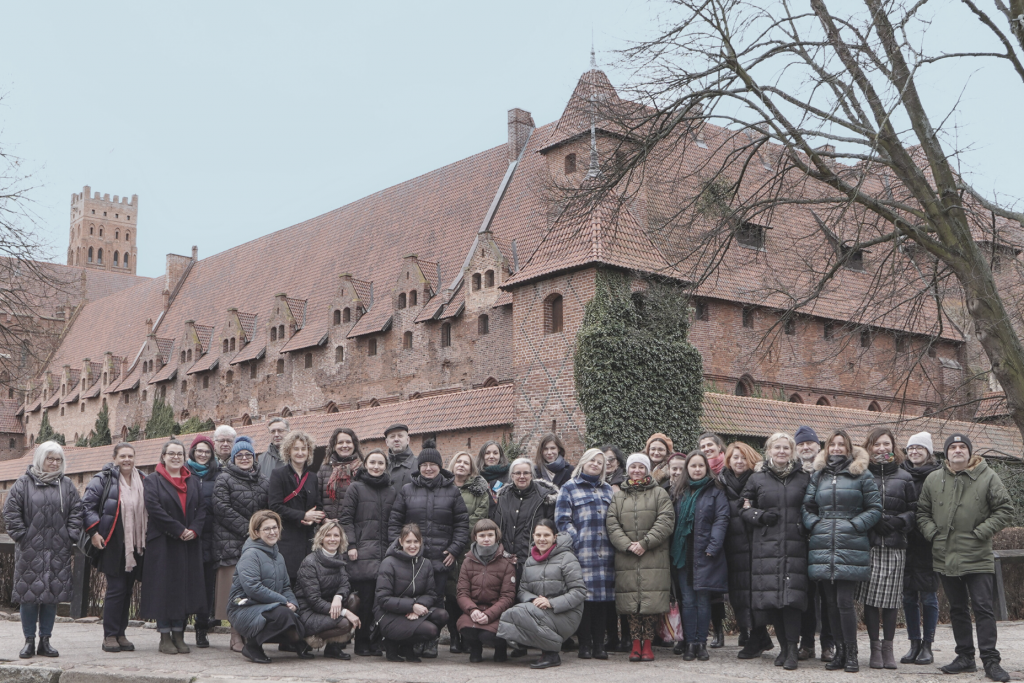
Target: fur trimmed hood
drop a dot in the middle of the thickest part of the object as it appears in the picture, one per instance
(857, 467)
(476, 485)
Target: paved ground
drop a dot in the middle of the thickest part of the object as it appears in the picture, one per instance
(82, 661)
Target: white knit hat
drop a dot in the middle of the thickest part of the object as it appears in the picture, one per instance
(922, 439)
(640, 458)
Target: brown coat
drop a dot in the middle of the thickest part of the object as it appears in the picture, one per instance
(490, 588)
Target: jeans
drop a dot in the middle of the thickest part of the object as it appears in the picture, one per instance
(696, 610)
(33, 612)
(914, 604)
(841, 612)
(117, 601)
(979, 590)
(168, 625)
(816, 605)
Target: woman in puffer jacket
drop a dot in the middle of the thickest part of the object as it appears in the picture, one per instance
(551, 596)
(841, 504)
(487, 587)
(323, 592)
(475, 495)
(364, 517)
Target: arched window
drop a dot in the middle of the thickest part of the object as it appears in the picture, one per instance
(570, 164)
(229, 377)
(225, 346)
(483, 325)
(446, 335)
(124, 433)
(745, 387)
(145, 395)
(286, 412)
(188, 356)
(346, 315)
(127, 235)
(874, 407)
(184, 386)
(117, 257)
(489, 278)
(401, 301)
(117, 234)
(490, 382)
(374, 403)
(796, 398)
(206, 381)
(231, 346)
(337, 317)
(280, 331)
(99, 254)
(412, 298)
(332, 407)
(246, 420)
(125, 259)
(553, 314)
(371, 347)
(182, 356)
(101, 231)
(407, 340)
(104, 378)
(280, 366)
(273, 334)
(339, 354)
(91, 229)
(823, 402)
(307, 361)
(476, 281)
(90, 254)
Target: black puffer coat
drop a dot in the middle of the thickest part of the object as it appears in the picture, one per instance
(331, 500)
(206, 483)
(778, 551)
(320, 578)
(45, 521)
(437, 506)
(100, 515)
(402, 582)
(839, 508)
(364, 515)
(899, 502)
(296, 537)
(517, 512)
(237, 495)
(737, 542)
(919, 574)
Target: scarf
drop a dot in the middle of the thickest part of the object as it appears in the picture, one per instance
(485, 553)
(836, 462)
(717, 463)
(492, 473)
(590, 479)
(884, 459)
(46, 477)
(341, 476)
(786, 469)
(552, 468)
(133, 517)
(684, 521)
(538, 555)
(637, 483)
(179, 483)
(197, 469)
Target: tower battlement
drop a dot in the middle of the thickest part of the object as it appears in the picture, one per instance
(103, 231)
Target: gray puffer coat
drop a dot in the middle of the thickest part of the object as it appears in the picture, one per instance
(44, 520)
(558, 578)
(320, 578)
(237, 495)
(261, 579)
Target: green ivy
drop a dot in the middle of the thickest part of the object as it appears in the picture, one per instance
(635, 371)
(195, 424)
(101, 430)
(161, 421)
(46, 432)
(134, 433)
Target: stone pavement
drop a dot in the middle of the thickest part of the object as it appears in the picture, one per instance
(82, 661)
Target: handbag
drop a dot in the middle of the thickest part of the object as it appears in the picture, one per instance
(670, 625)
(91, 552)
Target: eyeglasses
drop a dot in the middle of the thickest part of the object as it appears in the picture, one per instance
(174, 455)
(55, 461)
(203, 451)
(277, 431)
(919, 449)
(224, 440)
(521, 474)
(243, 456)
(270, 530)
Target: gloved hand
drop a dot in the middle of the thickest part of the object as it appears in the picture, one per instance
(885, 526)
(769, 518)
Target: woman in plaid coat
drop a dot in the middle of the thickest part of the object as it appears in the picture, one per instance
(580, 511)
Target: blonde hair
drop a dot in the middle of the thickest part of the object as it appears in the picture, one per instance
(780, 436)
(587, 456)
(321, 534)
(289, 441)
(473, 471)
(257, 520)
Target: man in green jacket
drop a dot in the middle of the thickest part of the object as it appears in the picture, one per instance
(962, 506)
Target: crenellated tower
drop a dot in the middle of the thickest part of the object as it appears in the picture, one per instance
(103, 231)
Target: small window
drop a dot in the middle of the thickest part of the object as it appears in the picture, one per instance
(145, 395)
(412, 298)
(790, 327)
(11, 443)
(570, 164)
(101, 229)
(854, 258)
(62, 407)
(184, 386)
(901, 344)
(476, 281)
(104, 378)
(446, 335)
(865, 338)
(407, 340)
(823, 402)
(90, 252)
(188, 356)
(307, 361)
(829, 330)
(99, 252)
(483, 325)
(117, 257)
(932, 353)
(553, 314)
(371, 347)
(231, 346)
(273, 334)
(252, 371)
(337, 317)
(751, 235)
(796, 398)
(339, 354)
(748, 317)
(874, 407)
(346, 315)
(81, 406)
(280, 366)
(225, 346)
(700, 310)
(117, 233)
(182, 356)
(401, 301)
(489, 278)
(126, 260)
(206, 381)
(744, 387)
(280, 331)
(229, 377)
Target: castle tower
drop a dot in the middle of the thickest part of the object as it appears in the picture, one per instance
(103, 231)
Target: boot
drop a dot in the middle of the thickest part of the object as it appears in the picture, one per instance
(961, 665)
(912, 653)
(29, 651)
(202, 641)
(303, 649)
(126, 645)
(876, 655)
(792, 655)
(852, 665)
(391, 648)
(838, 660)
(647, 652)
(600, 652)
(237, 642)
(476, 652)
(679, 648)
(430, 649)
(995, 672)
(634, 654)
(585, 652)
(45, 649)
(781, 659)
(925, 655)
(752, 650)
(501, 651)
(253, 651)
(547, 660)
(719, 638)
(409, 653)
(766, 638)
(336, 651)
(702, 652)
(806, 653)
(517, 652)
(744, 634)
(178, 638)
(691, 652)
(888, 658)
(828, 652)
(110, 644)
(456, 647)
(167, 645)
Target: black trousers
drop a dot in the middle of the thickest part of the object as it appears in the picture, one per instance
(816, 606)
(210, 578)
(479, 635)
(595, 619)
(787, 624)
(841, 612)
(365, 590)
(117, 601)
(972, 592)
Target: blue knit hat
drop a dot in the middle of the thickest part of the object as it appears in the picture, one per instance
(242, 443)
(805, 434)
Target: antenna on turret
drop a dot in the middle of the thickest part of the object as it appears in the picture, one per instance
(593, 59)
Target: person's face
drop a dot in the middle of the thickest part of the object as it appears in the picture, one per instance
(223, 444)
(594, 466)
(429, 470)
(780, 452)
(376, 464)
(344, 446)
(492, 455)
(522, 475)
(958, 456)
(174, 458)
(410, 544)
(332, 540)
(277, 432)
(883, 445)
(125, 460)
(550, 451)
(300, 453)
(657, 452)
(398, 440)
(918, 455)
(462, 466)
(53, 462)
(543, 538)
(202, 453)
(269, 532)
(675, 469)
(696, 469)
(486, 538)
(807, 449)
(837, 446)
(709, 448)
(637, 471)
(243, 460)
(737, 462)
(611, 463)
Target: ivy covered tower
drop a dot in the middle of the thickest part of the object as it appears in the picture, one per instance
(103, 231)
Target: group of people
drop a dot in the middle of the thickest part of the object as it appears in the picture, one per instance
(389, 547)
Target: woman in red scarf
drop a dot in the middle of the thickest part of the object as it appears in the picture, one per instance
(344, 457)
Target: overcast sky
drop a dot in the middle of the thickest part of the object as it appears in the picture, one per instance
(232, 120)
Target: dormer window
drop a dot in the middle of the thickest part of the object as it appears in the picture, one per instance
(401, 301)
(476, 282)
(751, 235)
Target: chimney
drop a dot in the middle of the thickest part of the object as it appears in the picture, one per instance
(520, 125)
(149, 327)
(195, 253)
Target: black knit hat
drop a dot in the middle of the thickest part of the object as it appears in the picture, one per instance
(429, 454)
(958, 438)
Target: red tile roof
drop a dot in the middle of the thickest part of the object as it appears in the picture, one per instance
(315, 332)
(298, 310)
(9, 422)
(456, 305)
(248, 323)
(206, 363)
(167, 372)
(165, 347)
(377, 319)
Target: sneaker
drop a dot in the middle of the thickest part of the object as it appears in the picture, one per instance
(961, 665)
(110, 644)
(995, 672)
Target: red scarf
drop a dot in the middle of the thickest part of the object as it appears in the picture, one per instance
(717, 463)
(179, 483)
(536, 554)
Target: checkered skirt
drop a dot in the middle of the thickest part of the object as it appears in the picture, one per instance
(885, 589)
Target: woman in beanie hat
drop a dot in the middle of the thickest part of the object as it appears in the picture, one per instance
(433, 502)
(239, 492)
(205, 468)
(920, 582)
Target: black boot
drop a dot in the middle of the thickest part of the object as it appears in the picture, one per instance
(201, 639)
(852, 665)
(838, 660)
(912, 653)
(925, 656)
(45, 649)
(476, 652)
(690, 653)
(391, 648)
(702, 652)
(253, 651)
(430, 649)
(752, 649)
(303, 649)
(456, 647)
(600, 652)
(792, 655)
(501, 651)
(781, 659)
(336, 651)
(679, 648)
(744, 634)
(547, 660)
(409, 653)
(719, 639)
(29, 651)
(585, 651)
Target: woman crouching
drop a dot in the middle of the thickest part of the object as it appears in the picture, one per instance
(325, 596)
(486, 588)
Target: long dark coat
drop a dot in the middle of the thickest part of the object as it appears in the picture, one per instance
(207, 483)
(710, 524)
(437, 506)
(320, 578)
(778, 553)
(364, 516)
(919, 574)
(173, 585)
(237, 495)
(45, 521)
(517, 512)
(296, 538)
(403, 581)
(737, 541)
(332, 500)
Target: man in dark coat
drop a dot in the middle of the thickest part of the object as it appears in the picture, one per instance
(401, 461)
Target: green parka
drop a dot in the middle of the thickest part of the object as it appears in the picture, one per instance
(642, 513)
(959, 513)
